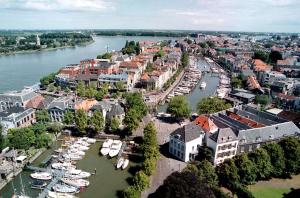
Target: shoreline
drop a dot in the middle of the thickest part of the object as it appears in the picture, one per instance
(46, 49)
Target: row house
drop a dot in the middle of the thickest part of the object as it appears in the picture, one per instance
(17, 117)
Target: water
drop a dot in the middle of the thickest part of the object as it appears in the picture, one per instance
(212, 82)
(106, 183)
(19, 70)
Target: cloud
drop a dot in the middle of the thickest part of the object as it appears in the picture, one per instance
(57, 5)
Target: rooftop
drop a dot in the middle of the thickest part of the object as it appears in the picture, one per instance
(188, 132)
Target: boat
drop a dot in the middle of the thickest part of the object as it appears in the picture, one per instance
(60, 150)
(203, 85)
(125, 164)
(107, 143)
(75, 151)
(76, 182)
(120, 162)
(52, 194)
(77, 174)
(115, 148)
(20, 196)
(91, 141)
(64, 188)
(72, 156)
(104, 151)
(41, 176)
(63, 166)
(38, 184)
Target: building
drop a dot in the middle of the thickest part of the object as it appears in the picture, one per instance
(269, 77)
(116, 112)
(59, 106)
(185, 141)
(113, 79)
(242, 95)
(224, 143)
(17, 117)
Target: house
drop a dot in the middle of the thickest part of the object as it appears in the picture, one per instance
(224, 143)
(17, 117)
(259, 68)
(185, 141)
(116, 112)
(252, 83)
(59, 106)
(112, 80)
(101, 106)
(269, 77)
(242, 95)
(71, 70)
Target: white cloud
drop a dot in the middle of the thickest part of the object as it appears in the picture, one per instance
(57, 5)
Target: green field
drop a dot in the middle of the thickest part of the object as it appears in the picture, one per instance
(274, 188)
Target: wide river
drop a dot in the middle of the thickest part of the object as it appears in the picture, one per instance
(19, 70)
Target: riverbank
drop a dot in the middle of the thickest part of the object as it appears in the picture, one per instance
(46, 49)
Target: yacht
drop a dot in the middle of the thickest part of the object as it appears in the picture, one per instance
(125, 164)
(76, 182)
(59, 195)
(75, 151)
(72, 156)
(41, 176)
(63, 188)
(115, 148)
(106, 147)
(77, 174)
(63, 166)
(120, 162)
(203, 85)
(91, 141)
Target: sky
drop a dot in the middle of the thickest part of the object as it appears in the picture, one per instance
(218, 15)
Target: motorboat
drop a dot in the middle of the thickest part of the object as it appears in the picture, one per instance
(41, 176)
(20, 196)
(64, 188)
(76, 182)
(82, 143)
(79, 147)
(203, 85)
(77, 174)
(120, 162)
(107, 143)
(125, 164)
(104, 151)
(63, 166)
(72, 156)
(115, 148)
(52, 194)
(91, 140)
(75, 151)
(60, 150)
(38, 184)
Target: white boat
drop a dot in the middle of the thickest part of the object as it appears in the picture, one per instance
(120, 162)
(107, 143)
(79, 147)
(63, 188)
(60, 150)
(72, 156)
(76, 182)
(91, 141)
(82, 143)
(125, 164)
(75, 151)
(59, 195)
(203, 85)
(77, 174)
(115, 148)
(104, 151)
(63, 166)
(41, 176)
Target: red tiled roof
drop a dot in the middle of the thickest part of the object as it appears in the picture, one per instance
(245, 121)
(205, 123)
(260, 65)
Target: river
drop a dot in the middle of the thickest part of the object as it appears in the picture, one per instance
(19, 70)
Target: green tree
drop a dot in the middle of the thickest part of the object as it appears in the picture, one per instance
(97, 121)
(99, 95)
(39, 128)
(158, 54)
(212, 105)
(205, 153)
(105, 56)
(262, 99)
(52, 88)
(90, 92)
(131, 120)
(81, 120)
(135, 101)
(291, 149)
(42, 140)
(203, 45)
(141, 181)
(227, 173)
(277, 158)
(185, 59)
(264, 56)
(274, 56)
(149, 166)
(42, 116)
(2, 139)
(149, 67)
(246, 169)
(114, 124)
(68, 118)
(179, 107)
(80, 89)
(206, 172)
(150, 144)
(131, 192)
(21, 138)
(120, 86)
(55, 128)
(211, 44)
(236, 82)
(46, 80)
(262, 162)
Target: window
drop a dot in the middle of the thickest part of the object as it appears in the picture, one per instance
(178, 153)
(171, 141)
(258, 146)
(181, 155)
(182, 148)
(178, 145)
(193, 148)
(250, 147)
(171, 150)
(242, 149)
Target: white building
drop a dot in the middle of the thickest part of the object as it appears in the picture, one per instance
(224, 143)
(184, 142)
(271, 76)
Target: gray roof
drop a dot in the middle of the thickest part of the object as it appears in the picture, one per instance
(244, 95)
(61, 103)
(223, 135)
(102, 105)
(268, 133)
(188, 132)
(116, 109)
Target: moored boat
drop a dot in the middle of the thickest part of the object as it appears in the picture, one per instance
(203, 85)
(115, 148)
(77, 174)
(120, 162)
(91, 140)
(41, 176)
(63, 188)
(38, 184)
(59, 195)
(125, 164)
(76, 182)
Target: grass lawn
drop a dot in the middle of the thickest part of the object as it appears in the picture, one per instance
(275, 188)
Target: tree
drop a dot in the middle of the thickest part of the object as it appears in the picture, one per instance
(274, 56)
(131, 192)
(212, 105)
(277, 158)
(149, 67)
(203, 45)
(264, 56)
(99, 95)
(150, 144)
(55, 128)
(262, 99)
(80, 89)
(262, 162)
(131, 120)
(227, 173)
(68, 118)
(81, 120)
(141, 181)
(206, 172)
(2, 139)
(21, 138)
(211, 44)
(179, 107)
(97, 121)
(51, 88)
(120, 86)
(114, 124)
(246, 169)
(149, 166)
(42, 116)
(291, 149)
(158, 54)
(105, 56)
(90, 92)
(184, 184)
(185, 59)
(135, 101)
(204, 153)
(46, 80)
(42, 140)
(236, 82)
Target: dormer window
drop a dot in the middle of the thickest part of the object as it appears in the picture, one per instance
(229, 137)
(271, 137)
(258, 139)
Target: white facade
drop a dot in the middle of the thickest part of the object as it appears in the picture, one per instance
(272, 76)
(184, 151)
